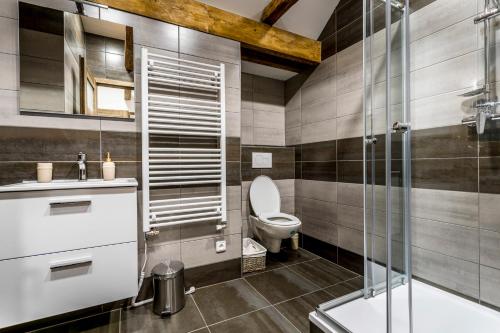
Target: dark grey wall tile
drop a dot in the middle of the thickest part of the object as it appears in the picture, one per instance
(298, 170)
(281, 171)
(347, 11)
(233, 149)
(489, 142)
(330, 27)
(419, 4)
(489, 175)
(44, 144)
(328, 46)
(446, 174)
(215, 273)
(298, 152)
(444, 142)
(350, 260)
(320, 248)
(123, 146)
(350, 34)
(350, 149)
(319, 151)
(248, 173)
(233, 173)
(325, 171)
(350, 172)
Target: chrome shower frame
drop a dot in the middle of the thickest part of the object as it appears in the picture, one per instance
(402, 126)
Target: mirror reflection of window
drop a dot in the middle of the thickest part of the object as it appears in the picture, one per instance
(114, 101)
(90, 98)
(73, 64)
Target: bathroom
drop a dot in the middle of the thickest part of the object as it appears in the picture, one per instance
(257, 170)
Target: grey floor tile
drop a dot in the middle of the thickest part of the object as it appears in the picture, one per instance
(226, 300)
(143, 319)
(297, 310)
(290, 257)
(202, 330)
(322, 272)
(281, 284)
(267, 320)
(346, 287)
(272, 262)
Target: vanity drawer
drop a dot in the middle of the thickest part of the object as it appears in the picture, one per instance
(41, 222)
(42, 286)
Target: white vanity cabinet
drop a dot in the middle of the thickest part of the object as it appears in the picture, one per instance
(66, 246)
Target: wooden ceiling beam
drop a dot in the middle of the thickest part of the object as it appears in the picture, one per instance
(276, 9)
(202, 17)
(268, 59)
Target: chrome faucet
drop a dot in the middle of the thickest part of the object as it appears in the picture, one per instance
(82, 166)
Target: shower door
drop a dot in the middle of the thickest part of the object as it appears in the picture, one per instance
(387, 157)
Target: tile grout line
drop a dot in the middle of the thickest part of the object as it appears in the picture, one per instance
(201, 314)
(241, 315)
(272, 305)
(315, 291)
(284, 266)
(282, 315)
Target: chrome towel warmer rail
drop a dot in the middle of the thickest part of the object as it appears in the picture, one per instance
(182, 100)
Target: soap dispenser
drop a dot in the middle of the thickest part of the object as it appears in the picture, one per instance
(108, 168)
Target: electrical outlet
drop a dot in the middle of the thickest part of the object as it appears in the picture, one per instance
(220, 246)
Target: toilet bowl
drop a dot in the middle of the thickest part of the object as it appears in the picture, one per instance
(267, 222)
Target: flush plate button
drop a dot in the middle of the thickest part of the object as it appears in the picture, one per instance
(262, 160)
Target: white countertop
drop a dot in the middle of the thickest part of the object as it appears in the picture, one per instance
(68, 184)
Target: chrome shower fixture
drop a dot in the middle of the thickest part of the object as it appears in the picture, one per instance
(396, 4)
(486, 106)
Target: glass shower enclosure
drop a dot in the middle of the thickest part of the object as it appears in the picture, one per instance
(394, 299)
(387, 182)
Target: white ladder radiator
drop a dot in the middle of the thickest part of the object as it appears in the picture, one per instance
(183, 140)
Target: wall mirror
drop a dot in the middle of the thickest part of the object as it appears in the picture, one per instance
(72, 64)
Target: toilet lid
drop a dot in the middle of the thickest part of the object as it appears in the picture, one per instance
(264, 196)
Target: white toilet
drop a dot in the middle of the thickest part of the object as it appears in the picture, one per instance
(268, 223)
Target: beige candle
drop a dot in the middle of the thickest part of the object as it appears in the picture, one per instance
(44, 172)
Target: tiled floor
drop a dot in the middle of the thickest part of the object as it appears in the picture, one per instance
(278, 299)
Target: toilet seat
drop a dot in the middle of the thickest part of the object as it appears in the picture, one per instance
(279, 219)
(264, 196)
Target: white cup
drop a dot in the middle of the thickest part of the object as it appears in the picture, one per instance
(44, 172)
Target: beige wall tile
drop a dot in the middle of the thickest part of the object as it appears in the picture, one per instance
(452, 273)
(490, 279)
(446, 238)
(202, 252)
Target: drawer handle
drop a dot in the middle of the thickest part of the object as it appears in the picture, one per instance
(71, 201)
(63, 263)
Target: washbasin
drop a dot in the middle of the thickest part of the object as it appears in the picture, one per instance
(64, 184)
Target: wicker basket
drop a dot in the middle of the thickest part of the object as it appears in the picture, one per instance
(254, 256)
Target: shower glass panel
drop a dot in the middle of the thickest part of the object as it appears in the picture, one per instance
(387, 153)
(387, 158)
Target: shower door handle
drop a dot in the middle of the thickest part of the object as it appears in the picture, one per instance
(399, 127)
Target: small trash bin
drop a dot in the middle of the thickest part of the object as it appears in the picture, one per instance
(168, 281)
